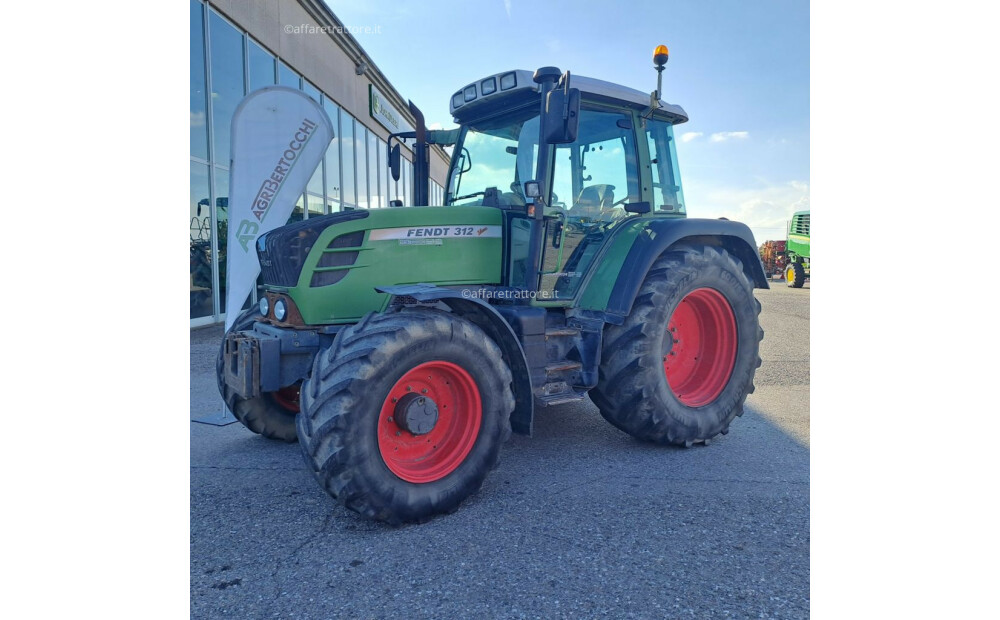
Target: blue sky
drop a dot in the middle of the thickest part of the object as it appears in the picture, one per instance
(739, 68)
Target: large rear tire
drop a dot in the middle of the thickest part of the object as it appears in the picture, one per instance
(405, 413)
(795, 275)
(679, 369)
(271, 414)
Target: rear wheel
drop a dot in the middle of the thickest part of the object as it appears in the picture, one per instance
(405, 414)
(795, 275)
(271, 414)
(680, 367)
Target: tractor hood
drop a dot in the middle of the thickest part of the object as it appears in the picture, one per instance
(331, 265)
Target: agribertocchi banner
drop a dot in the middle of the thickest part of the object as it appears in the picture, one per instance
(279, 136)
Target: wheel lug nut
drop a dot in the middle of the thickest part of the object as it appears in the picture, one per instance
(423, 391)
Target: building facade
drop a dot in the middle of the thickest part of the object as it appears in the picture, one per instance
(238, 47)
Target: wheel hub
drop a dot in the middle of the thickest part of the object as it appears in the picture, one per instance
(416, 413)
(700, 347)
(429, 421)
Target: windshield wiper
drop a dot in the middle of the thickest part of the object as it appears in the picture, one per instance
(473, 195)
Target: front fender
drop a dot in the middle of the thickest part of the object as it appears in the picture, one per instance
(497, 328)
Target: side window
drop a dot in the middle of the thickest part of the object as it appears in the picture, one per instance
(593, 179)
(597, 174)
(667, 192)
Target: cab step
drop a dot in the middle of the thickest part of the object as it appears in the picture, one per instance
(562, 366)
(561, 398)
(555, 332)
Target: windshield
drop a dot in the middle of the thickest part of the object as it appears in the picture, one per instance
(493, 159)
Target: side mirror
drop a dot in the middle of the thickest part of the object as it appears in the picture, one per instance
(394, 162)
(638, 207)
(562, 113)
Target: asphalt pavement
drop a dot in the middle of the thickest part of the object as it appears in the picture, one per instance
(578, 521)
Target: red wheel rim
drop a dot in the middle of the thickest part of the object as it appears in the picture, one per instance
(287, 398)
(701, 358)
(434, 455)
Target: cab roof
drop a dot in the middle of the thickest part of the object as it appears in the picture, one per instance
(512, 88)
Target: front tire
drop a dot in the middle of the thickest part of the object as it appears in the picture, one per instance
(679, 369)
(795, 275)
(353, 429)
(271, 414)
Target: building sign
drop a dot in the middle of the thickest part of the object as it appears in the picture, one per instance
(382, 111)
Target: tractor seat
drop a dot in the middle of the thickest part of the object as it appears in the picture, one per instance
(593, 199)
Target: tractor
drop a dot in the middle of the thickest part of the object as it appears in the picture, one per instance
(772, 255)
(401, 346)
(797, 250)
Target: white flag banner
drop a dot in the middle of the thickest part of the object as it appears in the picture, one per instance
(279, 137)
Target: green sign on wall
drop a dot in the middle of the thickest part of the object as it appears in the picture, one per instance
(382, 111)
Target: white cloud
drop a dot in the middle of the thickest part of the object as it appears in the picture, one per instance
(691, 135)
(722, 136)
(506, 7)
(766, 210)
(435, 126)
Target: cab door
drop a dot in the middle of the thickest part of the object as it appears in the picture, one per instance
(593, 179)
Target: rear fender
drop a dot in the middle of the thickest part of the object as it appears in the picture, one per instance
(660, 235)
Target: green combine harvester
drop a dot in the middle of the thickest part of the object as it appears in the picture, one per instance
(797, 250)
(401, 346)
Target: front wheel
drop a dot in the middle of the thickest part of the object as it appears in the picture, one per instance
(404, 415)
(272, 414)
(795, 275)
(679, 369)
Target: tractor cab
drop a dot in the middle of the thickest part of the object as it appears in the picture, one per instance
(620, 161)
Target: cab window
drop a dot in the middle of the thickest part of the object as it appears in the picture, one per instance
(667, 193)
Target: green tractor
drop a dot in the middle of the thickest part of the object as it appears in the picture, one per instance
(401, 346)
(797, 250)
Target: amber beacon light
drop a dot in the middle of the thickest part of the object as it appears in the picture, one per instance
(660, 55)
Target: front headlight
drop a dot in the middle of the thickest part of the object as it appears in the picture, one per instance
(264, 306)
(280, 309)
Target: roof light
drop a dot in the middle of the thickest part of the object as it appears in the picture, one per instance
(470, 92)
(456, 100)
(508, 81)
(488, 86)
(660, 55)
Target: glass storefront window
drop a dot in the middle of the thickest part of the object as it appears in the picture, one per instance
(261, 67)
(347, 159)
(361, 149)
(386, 173)
(227, 81)
(199, 107)
(315, 204)
(298, 213)
(201, 243)
(310, 90)
(287, 77)
(314, 188)
(222, 228)
(374, 172)
(409, 183)
(403, 181)
(332, 159)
